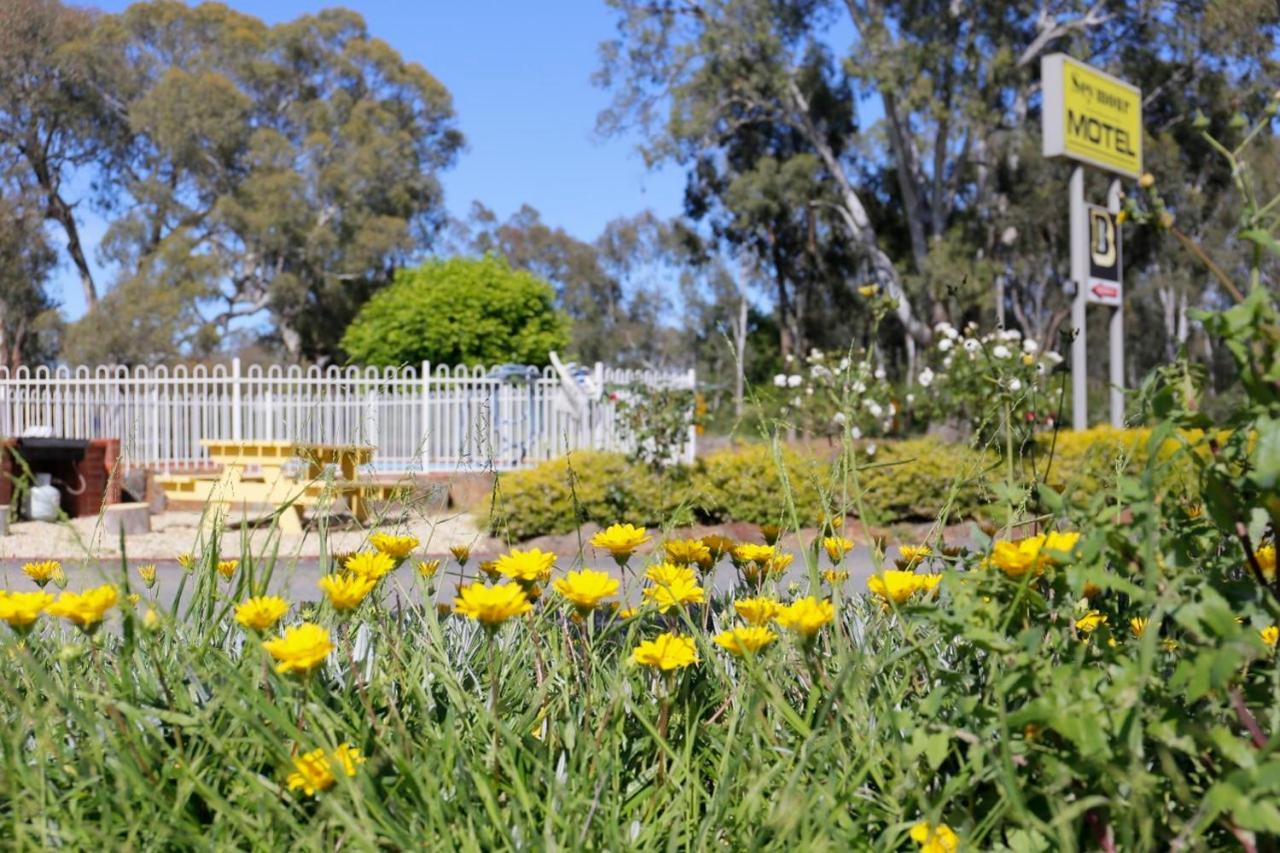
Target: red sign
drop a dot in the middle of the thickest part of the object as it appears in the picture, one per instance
(1105, 291)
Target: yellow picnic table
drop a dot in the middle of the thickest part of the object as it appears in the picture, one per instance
(287, 477)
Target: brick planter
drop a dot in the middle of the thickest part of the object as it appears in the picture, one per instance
(91, 476)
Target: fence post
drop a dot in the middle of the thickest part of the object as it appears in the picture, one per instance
(235, 399)
(426, 417)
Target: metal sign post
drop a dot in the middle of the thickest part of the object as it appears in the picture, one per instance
(1093, 118)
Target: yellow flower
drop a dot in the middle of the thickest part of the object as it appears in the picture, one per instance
(745, 639)
(1089, 622)
(532, 566)
(1266, 556)
(868, 290)
(227, 568)
(757, 611)
(749, 552)
(835, 577)
(133, 598)
(489, 568)
(929, 582)
(836, 547)
(315, 770)
(1138, 626)
(261, 612)
(666, 652)
(22, 609)
(935, 839)
(151, 619)
(346, 591)
(1015, 559)
(427, 569)
(1269, 635)
(1147, 180)
(491, 605)
(586, 589)
(913, 554)
(620, 540)
(461, 553)
(148, 575)
(1059, 543)
(806, 615)
(395, 547)
(770, 533)
(187, 560)
(628, 612)
(718, 545)
(370, 565)
(42, 572)
(672, 586)
(1091, 590)
(1028, 359)
(300, 649)
(894, 586)
(85, 609)
(1169, 644)
(779, 563)
(687, 552)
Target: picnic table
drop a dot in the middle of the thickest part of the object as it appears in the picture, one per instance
(284, 478)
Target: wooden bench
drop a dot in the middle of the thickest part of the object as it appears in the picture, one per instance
(288, 478)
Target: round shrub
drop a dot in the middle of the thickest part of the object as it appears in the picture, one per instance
(459, 311)
(745, 484)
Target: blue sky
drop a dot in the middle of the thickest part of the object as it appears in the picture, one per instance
(520, 75)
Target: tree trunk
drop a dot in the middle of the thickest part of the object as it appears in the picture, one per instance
(740, 353)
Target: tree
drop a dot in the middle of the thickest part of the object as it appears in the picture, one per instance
(459, 311)
(28, 319)
(280, 172)
(53, 120)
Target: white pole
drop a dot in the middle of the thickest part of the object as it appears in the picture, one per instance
(235, 399)
(1079, 275)
(1117, 323)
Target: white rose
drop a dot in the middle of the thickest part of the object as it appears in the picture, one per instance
(874, 408)
(838, 419)
(780, 380)
(1054, 357)
(794, 380)
(1030, 346)
(1001, 351)
(871, 449)
(1015, 385)
(911, 399)
(855, 433)
(945, 344)
(926, 377)
(970, 345)
(880, 373)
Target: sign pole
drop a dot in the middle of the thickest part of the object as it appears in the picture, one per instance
(1079, 275)
(1117, 331)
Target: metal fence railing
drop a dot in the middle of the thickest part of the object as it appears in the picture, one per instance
(430, 418)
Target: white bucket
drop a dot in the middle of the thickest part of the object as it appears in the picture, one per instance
(44, 500)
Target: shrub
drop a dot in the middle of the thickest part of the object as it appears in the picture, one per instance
(459, 311)
(911, 480)
(745, 484)
(601, 487)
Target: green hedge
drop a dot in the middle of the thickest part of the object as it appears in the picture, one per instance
(907, 480)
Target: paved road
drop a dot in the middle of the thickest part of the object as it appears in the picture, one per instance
(295, 578)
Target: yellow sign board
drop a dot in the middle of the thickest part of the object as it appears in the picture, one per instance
(1091, 116)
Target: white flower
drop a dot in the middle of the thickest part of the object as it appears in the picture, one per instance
(809, 390)
(970, 345)
(880, 373)
(859, 388)
(1054, 357)
(844, 363)
(1041, 368)
(1010, 334)
(926, 377)
(796, 401)
(874, 408)
(855, 433)
(911, 399)
(893, 410)
(945, 344)
(946, 362)
(871, 449)
(818, 370)
(815, 354)
(838, 419)
(780, 380)
(1000, 351)
(1030, 346)
(790, 358)
(1015, 385)
(794, 380)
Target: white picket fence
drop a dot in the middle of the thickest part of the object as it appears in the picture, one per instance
(437, 418)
